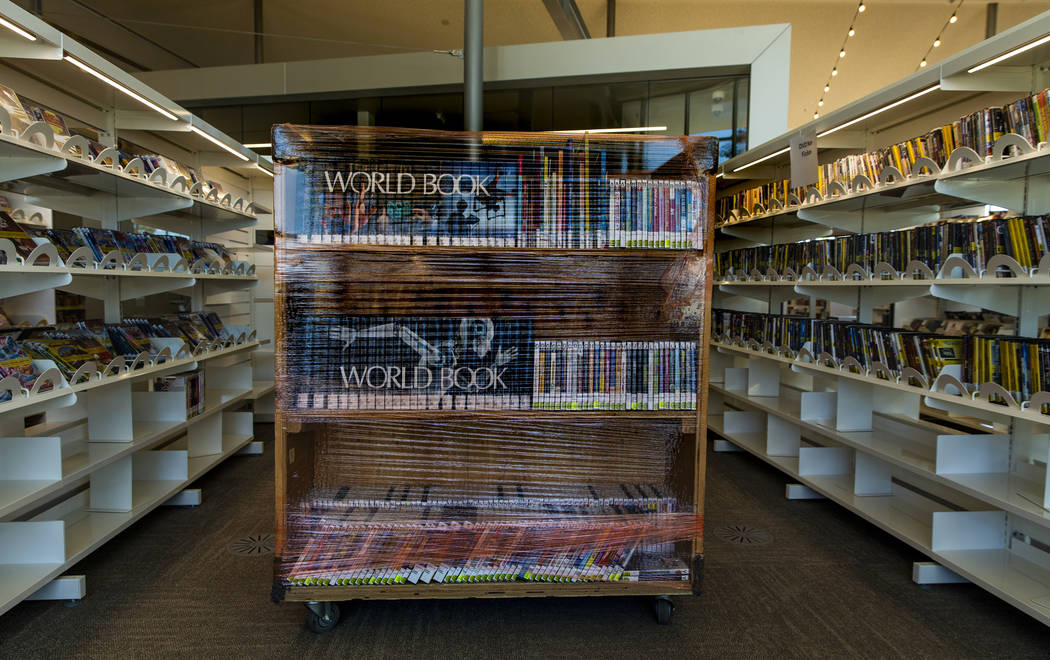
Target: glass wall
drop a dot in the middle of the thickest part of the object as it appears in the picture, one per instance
(686, 106)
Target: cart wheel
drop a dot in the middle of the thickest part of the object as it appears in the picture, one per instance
(664, 610)
(322, 617)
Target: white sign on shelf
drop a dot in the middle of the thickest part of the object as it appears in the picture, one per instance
(804, 158)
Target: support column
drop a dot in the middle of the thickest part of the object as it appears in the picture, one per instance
(473, 65)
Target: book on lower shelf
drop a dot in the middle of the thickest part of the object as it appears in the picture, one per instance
(1020, 365)
(434, 534)
(974, 240)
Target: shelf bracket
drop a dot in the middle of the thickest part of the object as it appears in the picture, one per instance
(17, 283)
(98, 286)
(767, 236)
(871, 220)
(772, 294)
(22, 163)
(136, 120)
(1030, 195)
(998, 78)
(1023, 301)
(862, 298)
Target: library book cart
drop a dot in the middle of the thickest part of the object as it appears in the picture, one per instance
(489, 374)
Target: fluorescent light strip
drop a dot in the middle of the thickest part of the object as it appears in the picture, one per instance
(636, 129)
(106, 79)
(264, 170)
(1007, 55)
(880, 110)
(762, 159)
(216, 141)
(720, 175)
(258, 145)
(16, 29)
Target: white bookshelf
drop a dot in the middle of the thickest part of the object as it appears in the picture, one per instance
(108, 450)
(976, 501)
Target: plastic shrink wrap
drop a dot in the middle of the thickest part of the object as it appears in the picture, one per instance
(489, 361)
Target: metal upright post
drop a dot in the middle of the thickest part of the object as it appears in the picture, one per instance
(473, 67)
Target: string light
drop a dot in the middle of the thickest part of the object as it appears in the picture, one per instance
(842, 53)
(937, 42)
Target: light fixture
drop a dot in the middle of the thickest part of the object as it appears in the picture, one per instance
(635, 129)
(218, 142)
(937, 42)
(834, 72)
(922, 63)
(953, 18)
(880, 110)
(861, 8)
(842, 53)
(764, 158)
(16, 29)
(264, 170)
(720, 175)
(851, 31)
(1009, 54)
(820, 103)
(258, 145)
(827, 88)
(106, 79)
(815, 115)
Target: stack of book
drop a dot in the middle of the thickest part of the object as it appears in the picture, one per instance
(504, 533)
(72, 345)
(764, 195)
(1025, 239)
(574, 375)
(26, 238)
(1020, 365)
(433, 363)
(23, 112)
(553, 197)
(1028, 117)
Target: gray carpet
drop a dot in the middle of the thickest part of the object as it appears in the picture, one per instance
(827, 585)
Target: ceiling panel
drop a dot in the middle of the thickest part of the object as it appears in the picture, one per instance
(892, 35)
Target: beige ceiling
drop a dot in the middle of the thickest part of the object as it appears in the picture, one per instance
(892, 35)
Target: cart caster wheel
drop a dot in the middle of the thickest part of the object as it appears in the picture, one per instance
(322, 617)
(664, 610)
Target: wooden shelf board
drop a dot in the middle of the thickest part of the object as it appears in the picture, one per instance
(487, 590)
(653, 253)
(309, 415)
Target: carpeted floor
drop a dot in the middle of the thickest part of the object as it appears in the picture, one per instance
(827, 585)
